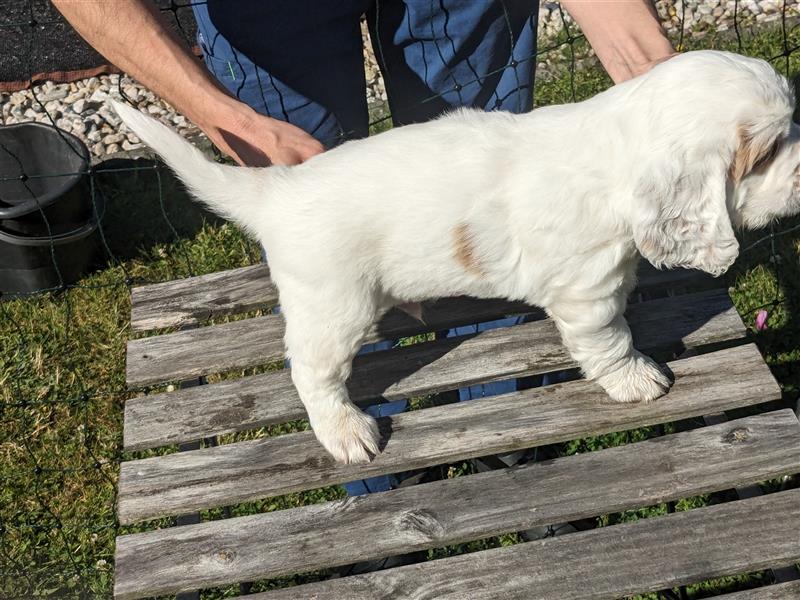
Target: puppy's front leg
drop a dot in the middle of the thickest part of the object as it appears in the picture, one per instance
(598, 337)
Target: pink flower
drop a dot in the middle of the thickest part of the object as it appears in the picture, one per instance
(761, 320)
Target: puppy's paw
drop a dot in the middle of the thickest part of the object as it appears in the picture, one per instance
(639, 380)
(350, 435)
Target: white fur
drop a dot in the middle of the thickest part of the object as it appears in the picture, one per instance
(551, 207)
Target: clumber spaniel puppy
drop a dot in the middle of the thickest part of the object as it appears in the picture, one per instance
(548, 207)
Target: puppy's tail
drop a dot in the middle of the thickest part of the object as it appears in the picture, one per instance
(232, 192)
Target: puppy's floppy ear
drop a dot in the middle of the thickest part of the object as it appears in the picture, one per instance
(757, 146)
(680, 218)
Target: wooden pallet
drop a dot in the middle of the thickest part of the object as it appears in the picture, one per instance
(719, 372)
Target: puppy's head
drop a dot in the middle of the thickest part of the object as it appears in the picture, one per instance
(724, 153)
(765, 178)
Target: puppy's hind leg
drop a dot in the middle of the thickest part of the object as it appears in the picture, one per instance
(322, 337)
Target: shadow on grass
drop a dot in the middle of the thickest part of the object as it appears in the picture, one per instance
(144, 205)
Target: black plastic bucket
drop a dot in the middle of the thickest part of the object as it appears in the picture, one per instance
(43, 180)
(32, 264)
(46, 214)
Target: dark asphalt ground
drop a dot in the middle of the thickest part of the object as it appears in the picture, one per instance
(34, 38)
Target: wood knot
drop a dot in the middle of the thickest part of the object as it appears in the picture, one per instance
(225, 556)
(737, 435)
(421, 522)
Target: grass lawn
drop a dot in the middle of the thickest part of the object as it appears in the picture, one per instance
(62, 360)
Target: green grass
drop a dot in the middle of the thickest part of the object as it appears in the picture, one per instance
(62, 359)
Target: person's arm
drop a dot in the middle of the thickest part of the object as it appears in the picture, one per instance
(133, 35)
(625, 34)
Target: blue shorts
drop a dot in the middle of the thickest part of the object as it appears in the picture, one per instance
(302, 62)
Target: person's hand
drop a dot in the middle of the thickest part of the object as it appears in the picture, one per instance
(135, 37)
(641, 68)
(254, 140)
(626, 35)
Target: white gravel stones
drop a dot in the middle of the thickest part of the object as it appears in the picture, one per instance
(114, 138)
(717, 14)
(54, 94)
(80, 107)
(376, 90)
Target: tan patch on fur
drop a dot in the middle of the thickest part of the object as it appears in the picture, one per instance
(750, 155)
(465, 249)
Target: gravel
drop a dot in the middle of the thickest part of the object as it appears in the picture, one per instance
(699, 16)
(80, 107)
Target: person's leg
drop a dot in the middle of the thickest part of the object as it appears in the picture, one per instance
(338, 112)
(440, 55)
(262, 77)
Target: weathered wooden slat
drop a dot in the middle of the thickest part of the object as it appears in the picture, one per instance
(259, 340)
(780, 591)
(197, 352)
(195, 299)
(643, 556)
(251, 342)
(453, 511)
(692, 321)
(248, 470)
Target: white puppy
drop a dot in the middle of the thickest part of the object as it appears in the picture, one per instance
(548, 207)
